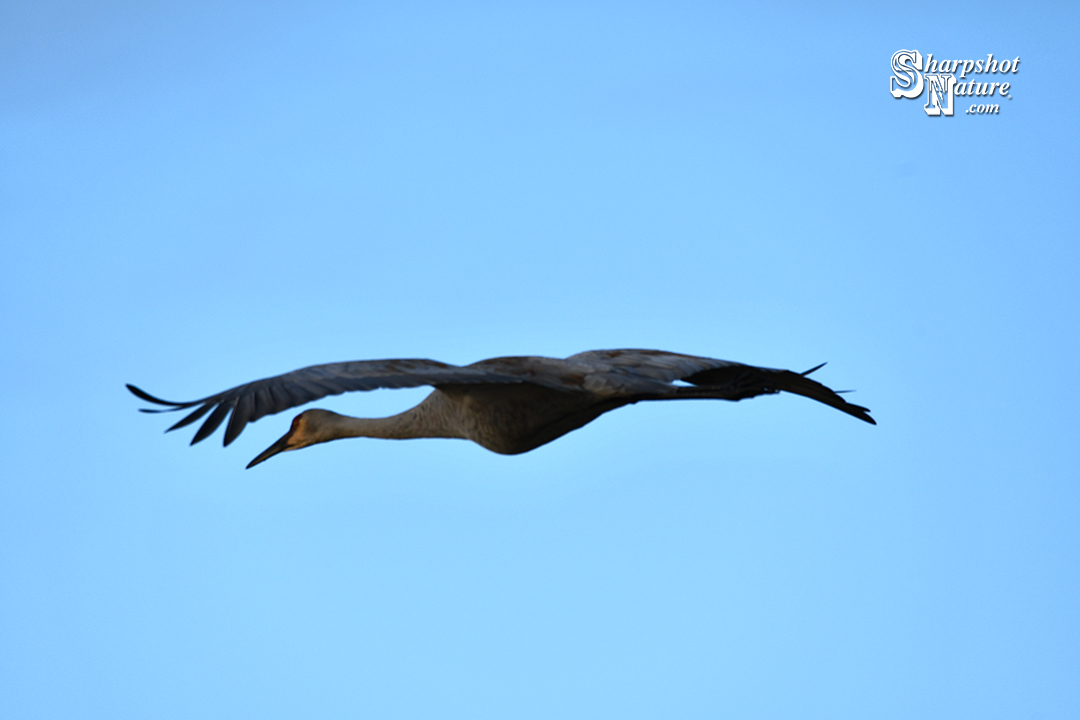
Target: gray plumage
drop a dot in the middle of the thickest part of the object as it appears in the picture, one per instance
(508, 405)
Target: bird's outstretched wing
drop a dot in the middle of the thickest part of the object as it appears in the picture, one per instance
(710, 378)
(254, 400)
(648, 366)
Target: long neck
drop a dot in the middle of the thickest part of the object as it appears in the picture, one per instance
(426, 420)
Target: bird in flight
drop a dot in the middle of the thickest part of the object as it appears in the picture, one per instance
(508, 405)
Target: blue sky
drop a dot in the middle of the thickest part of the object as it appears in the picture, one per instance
(194, 196)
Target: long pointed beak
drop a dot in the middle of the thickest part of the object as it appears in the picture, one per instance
(280, 446)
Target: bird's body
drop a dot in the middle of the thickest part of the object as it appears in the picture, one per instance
(507, 405)
(507, 420)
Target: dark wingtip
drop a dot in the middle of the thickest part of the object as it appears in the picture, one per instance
(211, 423)
(192, 417)
(854, 410)
(819, 392)
(857, 411)
(143, 395)
(799, 384)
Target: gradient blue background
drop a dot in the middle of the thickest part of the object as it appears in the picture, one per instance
(196, 196)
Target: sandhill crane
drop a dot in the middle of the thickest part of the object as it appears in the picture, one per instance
(508, 405)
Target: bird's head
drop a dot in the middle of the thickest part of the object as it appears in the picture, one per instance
(308, 428)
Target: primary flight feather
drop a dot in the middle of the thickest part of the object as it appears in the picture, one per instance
(508, 405)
